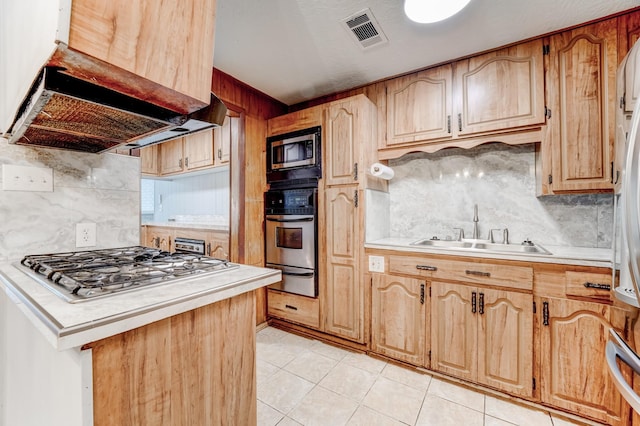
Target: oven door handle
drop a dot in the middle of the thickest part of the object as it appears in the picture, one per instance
(299, 274)
(304, 219)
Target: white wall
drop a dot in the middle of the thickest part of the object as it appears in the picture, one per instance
(200, 195)
(433, 193)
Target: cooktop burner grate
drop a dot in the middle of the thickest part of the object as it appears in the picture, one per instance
(82, 275)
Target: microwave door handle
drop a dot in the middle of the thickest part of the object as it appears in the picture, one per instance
(304, 219)
(617, 349)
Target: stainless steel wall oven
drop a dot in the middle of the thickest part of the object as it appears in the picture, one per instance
(291, 238)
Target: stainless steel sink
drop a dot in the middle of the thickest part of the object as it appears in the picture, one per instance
(481, 246)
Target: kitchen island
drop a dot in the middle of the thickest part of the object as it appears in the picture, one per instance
(180, 353)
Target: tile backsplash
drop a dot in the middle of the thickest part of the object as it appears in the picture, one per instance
(99, 188)
(433, 193)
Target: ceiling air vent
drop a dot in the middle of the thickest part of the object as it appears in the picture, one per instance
(364, 27)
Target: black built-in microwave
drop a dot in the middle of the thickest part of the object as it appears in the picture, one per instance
(294, 156)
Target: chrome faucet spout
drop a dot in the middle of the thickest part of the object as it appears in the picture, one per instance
(475, 222)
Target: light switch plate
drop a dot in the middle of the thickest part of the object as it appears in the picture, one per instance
(25, 178)
(376, 263)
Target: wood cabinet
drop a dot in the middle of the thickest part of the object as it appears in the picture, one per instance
(181, 370)
(419, 106)
(348, 143)
(295, 308)
(154, 40)
(483, 335)
(500, 90)
(222, 140)
(216, 242)
(581, 91)
(149, 160)
(491, 93)
(196, 151)
(574, 373)
(171, 157)
(399, 318)
(344, 298)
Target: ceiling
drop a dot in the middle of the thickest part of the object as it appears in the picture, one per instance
(296, 50)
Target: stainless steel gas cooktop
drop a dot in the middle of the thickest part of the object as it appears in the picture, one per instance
(86, 275)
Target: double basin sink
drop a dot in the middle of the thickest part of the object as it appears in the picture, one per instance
(482, 246)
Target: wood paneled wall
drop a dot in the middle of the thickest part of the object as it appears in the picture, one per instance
(248, 171)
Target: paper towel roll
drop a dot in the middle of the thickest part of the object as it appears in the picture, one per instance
(381, 171)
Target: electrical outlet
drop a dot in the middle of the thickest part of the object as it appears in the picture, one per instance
(376, 263)
(25, 178)
(85, 234)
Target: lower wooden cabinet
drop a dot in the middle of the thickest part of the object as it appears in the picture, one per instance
(483, 335)
(399, 318)
(344, 289)
(574, 374)
(292, 307)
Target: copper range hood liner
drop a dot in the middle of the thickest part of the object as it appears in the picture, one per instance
(81, 103)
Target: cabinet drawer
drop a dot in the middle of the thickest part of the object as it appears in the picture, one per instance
(294, 308)
(516, 277)
(591, 285)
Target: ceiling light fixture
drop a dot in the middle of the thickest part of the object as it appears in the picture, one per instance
(429, 11)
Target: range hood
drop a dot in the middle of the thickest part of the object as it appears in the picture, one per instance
(81, 103)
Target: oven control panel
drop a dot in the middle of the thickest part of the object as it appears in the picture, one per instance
(291, 201)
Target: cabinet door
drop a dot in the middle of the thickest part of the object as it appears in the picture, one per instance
(500, 90)
(340, 144)
(398, 316)
(574, 371)
(171, 157)
(419, 106)
(218, 248)
(198, 150)
(222, 140)
(149, 160)
(454, 330)
(505, 341)
(581, 92)
(344, 305)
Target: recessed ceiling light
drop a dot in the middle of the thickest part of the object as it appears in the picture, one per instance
(428, 11)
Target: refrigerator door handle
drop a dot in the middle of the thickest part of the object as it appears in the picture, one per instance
(617, 348)
(630, 202)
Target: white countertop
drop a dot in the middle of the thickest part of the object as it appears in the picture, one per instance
(582, 256)
(190, 225)
(67, 325)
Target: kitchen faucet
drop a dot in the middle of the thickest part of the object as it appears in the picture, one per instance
(475, 222)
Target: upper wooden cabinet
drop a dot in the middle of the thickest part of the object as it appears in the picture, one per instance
(298, 120)
(500, 90)
(222, 140)
(192, 152)
(581, 91)
(149, 160)
(489, 93)
(348, 141)
(169, 42)
(419, 106)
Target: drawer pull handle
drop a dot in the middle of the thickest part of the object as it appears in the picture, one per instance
(478, 273)
(291, 307)
(597, 286)
(426, 268)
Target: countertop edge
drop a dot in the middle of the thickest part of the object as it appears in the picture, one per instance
(63, 338)
(391, 244)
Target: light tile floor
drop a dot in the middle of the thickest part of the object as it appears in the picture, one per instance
(306, 382)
